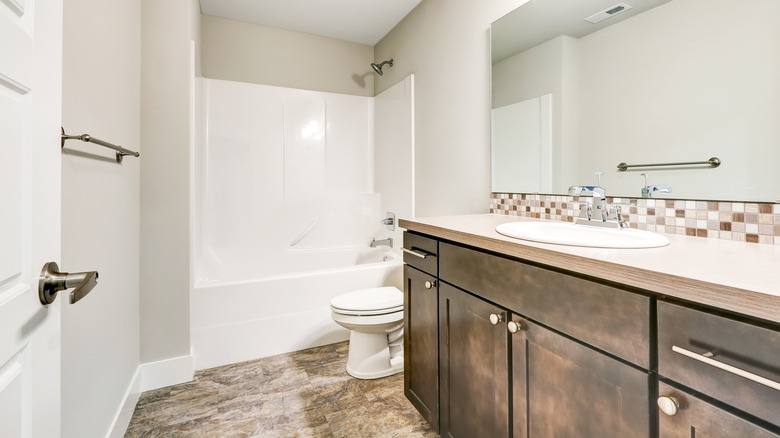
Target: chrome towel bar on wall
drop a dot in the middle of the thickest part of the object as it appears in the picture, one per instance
(120, 151)
(712, 162)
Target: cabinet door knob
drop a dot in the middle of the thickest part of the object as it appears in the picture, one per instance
(668, 405)
(430, 284)
(495, 318)
(514, 327)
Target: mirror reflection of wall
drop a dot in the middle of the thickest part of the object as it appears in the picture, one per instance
(522, 145)
(681, 80)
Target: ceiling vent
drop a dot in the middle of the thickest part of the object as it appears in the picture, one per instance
(609, 12)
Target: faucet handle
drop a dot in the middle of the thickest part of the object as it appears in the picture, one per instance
(616, 209)
(586, 210)
(598, 176)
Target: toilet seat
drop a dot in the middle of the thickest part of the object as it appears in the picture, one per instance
(375, 301)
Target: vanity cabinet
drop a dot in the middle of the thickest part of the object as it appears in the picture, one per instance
(421, 343)
(693, 417)
(421, 327)
(494, 363)
(576, 391)
(722, 358)
(474, 361)
(528, 351)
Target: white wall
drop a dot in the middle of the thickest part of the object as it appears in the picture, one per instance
(166, 78)
(446, 45)
(100, 211)
(703, 87)
(246, 52)
(706, 86)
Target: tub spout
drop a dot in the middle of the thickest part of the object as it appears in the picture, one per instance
(374, 242)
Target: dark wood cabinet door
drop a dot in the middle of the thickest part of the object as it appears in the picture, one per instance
(575, 391)
(518, 332)
(421, 343)
(474, 364)
(696, 418)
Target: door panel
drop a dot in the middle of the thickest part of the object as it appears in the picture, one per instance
(519, 379)
(575, 391)
(699, 419)
(474, 364)
(30, 100)
(421, 344)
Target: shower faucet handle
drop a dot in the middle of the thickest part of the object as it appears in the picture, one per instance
(389, 221)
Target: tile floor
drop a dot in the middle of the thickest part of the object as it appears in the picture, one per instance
(302, 394)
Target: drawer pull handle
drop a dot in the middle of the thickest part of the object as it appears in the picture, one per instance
(416, 253)
(704, 358)
(495, 318)
(430, 284)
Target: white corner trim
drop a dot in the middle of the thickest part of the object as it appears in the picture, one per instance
(148, 376)
(167, 372)
(125, 412)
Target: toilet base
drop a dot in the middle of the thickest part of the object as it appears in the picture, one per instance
(369, 356)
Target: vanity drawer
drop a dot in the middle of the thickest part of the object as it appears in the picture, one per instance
(611, 319)
(722, 358)
(694, 417)
(421, 252)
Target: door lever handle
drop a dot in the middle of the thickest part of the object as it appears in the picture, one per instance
(52, 281)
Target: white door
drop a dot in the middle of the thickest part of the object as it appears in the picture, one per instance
(30, 107)
(522, 146)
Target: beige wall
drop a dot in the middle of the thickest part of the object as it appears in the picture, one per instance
(245, 52)
(100, 210)
(446, 44)
(167, 29)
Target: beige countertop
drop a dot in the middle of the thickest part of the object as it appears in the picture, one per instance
(735, 276)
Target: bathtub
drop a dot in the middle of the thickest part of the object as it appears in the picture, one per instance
(235, 318)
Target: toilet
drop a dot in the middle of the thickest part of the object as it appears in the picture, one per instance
(375, 318)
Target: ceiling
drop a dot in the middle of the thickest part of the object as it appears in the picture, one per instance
(540, 21)
(359, 21)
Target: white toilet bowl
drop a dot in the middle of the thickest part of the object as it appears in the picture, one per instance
(375, 318)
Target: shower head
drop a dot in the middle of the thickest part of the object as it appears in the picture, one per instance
(378, 68)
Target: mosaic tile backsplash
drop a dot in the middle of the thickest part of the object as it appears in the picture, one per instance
(739, 221)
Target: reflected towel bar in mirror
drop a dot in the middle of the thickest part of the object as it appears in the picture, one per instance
(712, 162)
(120, 151)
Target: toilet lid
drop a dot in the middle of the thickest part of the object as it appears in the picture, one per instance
(385, 299)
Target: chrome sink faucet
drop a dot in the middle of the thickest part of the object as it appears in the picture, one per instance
(648, 190)
(598, 193)
(598, 213)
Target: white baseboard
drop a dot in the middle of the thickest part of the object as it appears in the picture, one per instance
(150, 376)
(125, 412)
(167, 372)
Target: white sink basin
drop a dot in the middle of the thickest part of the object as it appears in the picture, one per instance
(564, 233)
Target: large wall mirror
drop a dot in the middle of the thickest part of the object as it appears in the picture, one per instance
(641, 82)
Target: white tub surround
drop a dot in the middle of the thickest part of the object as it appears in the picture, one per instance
(734, 276)
(287, 196)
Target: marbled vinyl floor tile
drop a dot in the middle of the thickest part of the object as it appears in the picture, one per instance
(301, 394)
